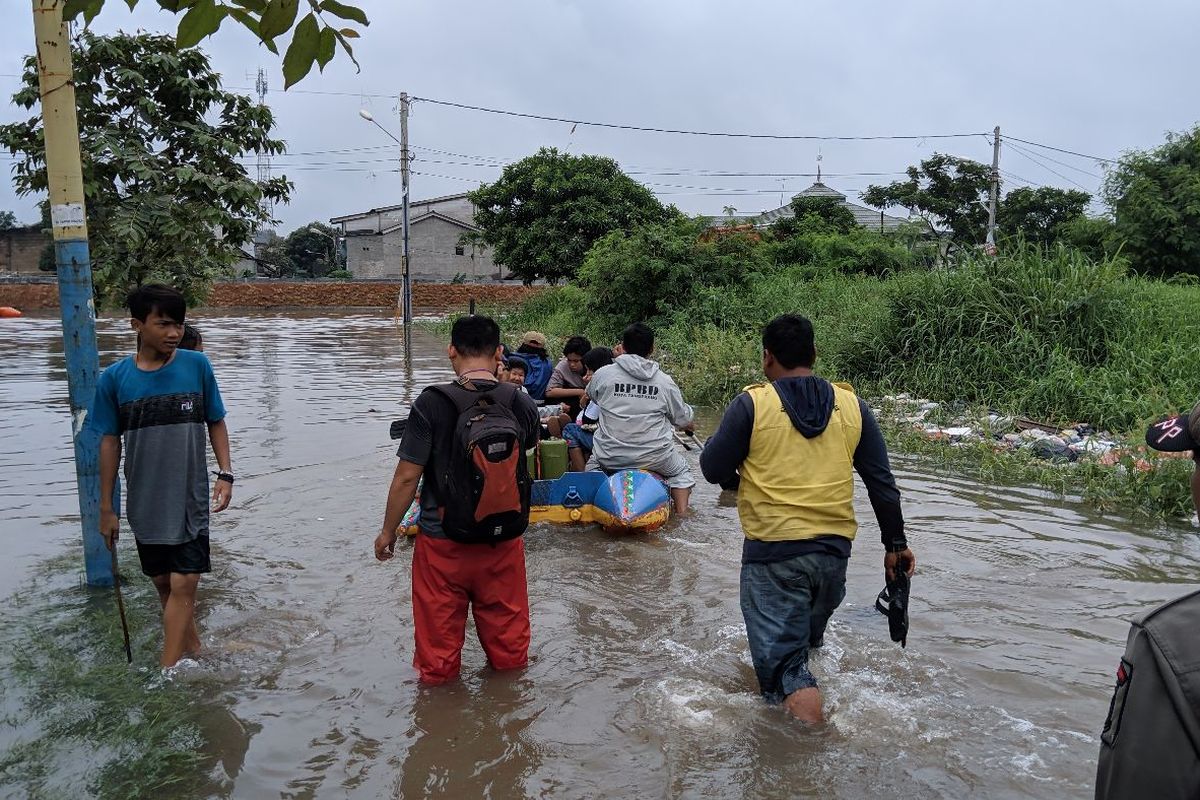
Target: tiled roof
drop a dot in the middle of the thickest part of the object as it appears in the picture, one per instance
(863, 215)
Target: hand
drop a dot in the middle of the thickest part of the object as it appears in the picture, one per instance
(905, 557)
(222, 494)
(109, 525)
(690, 427)
(385, 545)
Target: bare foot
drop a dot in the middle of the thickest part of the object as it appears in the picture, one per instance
(805, 705)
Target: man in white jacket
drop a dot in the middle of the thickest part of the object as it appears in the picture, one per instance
(640, 407)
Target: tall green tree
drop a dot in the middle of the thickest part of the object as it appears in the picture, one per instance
(8, 220)
(1042, 215)
(1154, 196)
(168, 197)
(315, 38)
(545, 212)
(947, 191)
(312, 249)
(815, 214)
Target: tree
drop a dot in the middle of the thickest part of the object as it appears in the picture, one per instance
(1155, 201)
(644, 273)
(947, 191)
(312, 250)
(8, 220)
(1040, 216)
(315, 40)
(167, 196)
(547, 210)
(815, 214)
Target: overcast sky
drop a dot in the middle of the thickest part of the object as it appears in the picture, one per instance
(1097, 78)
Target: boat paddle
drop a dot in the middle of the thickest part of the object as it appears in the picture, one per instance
(120, 602)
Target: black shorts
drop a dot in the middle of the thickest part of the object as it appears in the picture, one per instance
(187, 558)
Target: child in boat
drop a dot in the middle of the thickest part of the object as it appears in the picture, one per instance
(566, 382)
(537, 373)
(515, 369)
(580, 432)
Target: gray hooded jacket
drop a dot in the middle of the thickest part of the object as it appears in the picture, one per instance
(640, 407)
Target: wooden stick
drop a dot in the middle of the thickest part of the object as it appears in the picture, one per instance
(120, 603)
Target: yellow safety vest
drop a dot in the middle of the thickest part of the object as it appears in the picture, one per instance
(798, 488)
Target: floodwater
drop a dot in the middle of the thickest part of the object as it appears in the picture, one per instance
(640, 683)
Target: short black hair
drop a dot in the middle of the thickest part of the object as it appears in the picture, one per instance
(516, 362)
(638, 339)
(191, 339)
(475, 336)
(790, 339)
(597, 357)
(151, 297)
(579, 345)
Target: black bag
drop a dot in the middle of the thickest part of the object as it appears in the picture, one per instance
(483, 483)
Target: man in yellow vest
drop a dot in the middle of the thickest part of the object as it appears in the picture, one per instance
(789, 447)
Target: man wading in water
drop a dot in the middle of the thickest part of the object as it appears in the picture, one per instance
(468, 438)
(1150, 742)
(789, 447)
(161, 400)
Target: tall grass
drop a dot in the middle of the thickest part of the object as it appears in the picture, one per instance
(1048, 334)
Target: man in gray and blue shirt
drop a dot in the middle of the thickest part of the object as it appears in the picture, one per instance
(158, 405)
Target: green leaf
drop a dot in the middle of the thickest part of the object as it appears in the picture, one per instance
(89, 9)
(257, 6)
(302, 52)
(200, 21)
(327, 47)
(349, 33)
(278, 18)
(345, 12)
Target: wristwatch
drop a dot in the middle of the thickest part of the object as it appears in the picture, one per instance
(224, 476)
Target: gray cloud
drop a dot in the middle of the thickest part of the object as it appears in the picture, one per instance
(1098, 78)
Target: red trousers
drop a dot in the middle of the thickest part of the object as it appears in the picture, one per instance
(447, 577)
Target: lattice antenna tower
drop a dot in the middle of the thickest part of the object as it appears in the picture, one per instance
(264, 158)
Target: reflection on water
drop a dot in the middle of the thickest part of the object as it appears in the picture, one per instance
(640, 682)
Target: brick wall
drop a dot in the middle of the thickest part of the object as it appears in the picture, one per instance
(284, 294)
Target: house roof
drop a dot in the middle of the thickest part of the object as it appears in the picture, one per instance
(428, 215)
(388, 209)
(865, 216)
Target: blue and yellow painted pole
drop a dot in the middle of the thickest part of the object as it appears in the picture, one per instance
(65, 177)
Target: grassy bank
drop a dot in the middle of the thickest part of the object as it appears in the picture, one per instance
(1044, 334)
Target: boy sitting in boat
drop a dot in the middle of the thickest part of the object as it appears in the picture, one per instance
(579, 433)
(640, 407)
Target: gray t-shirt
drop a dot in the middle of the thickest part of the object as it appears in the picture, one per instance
(163, 417)
(564, 377)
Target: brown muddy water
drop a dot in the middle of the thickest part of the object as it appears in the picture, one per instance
(640, 683)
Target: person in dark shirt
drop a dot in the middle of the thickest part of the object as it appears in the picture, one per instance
(1150, 741)
(788, 447)
(449, 577)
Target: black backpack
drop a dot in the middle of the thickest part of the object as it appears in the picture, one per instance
(483, 483)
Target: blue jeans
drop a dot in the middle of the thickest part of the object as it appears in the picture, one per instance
(577, 437)
(787, 605)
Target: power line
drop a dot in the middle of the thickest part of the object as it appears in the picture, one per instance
(678, 131)
(1021, 151)
(1065, 164)
(1061, 150)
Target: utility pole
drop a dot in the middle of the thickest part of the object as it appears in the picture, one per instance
(406, 298)
(993, 193)
(64, 175)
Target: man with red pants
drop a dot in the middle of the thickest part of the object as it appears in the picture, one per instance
(467, 439)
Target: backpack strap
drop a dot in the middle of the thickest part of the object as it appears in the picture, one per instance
(463, 398)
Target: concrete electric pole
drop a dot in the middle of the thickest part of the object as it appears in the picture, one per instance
(993, 193)
(405, 157)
